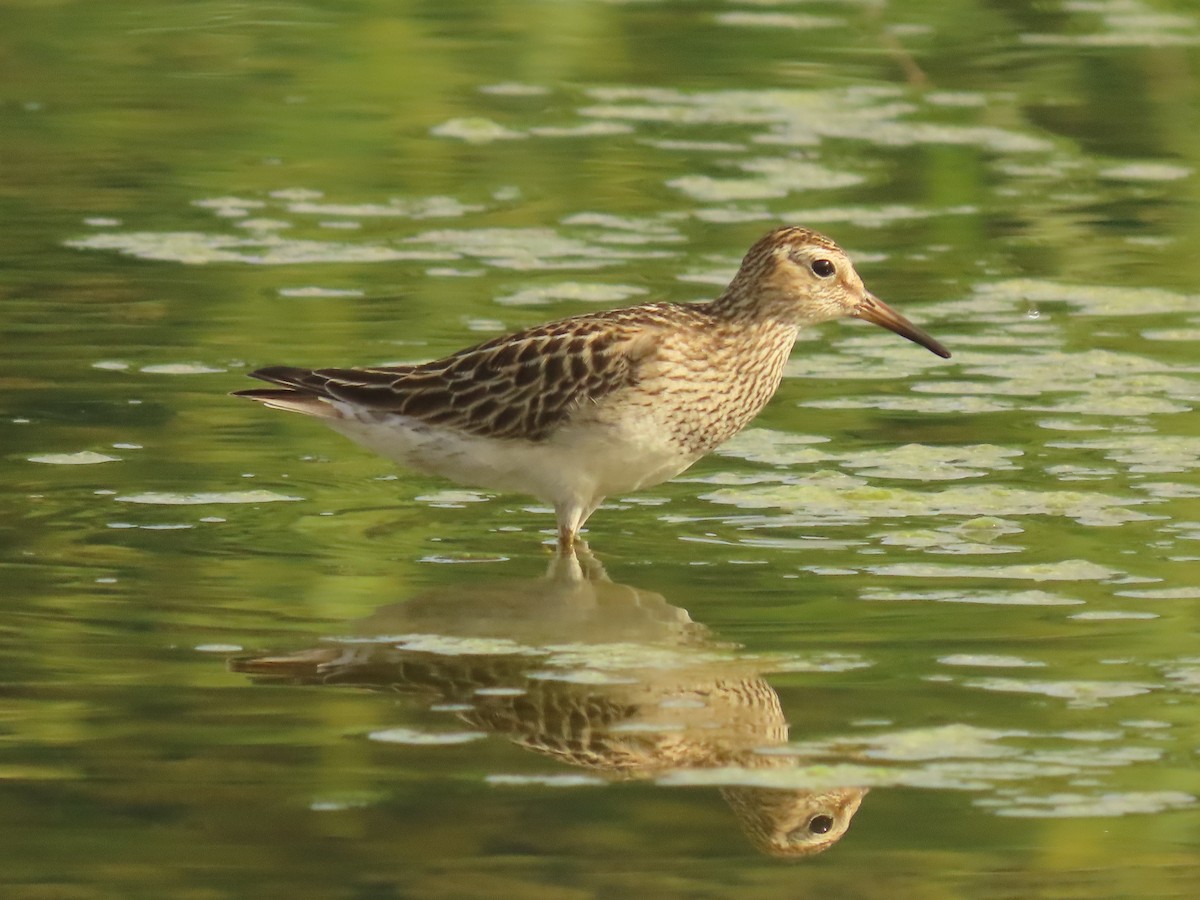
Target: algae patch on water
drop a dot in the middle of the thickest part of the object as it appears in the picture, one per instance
(82, 458)
(830, 497)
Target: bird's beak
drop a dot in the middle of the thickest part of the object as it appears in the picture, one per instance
(875, 310)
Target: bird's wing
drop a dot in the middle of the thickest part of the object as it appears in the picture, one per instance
(518, 386)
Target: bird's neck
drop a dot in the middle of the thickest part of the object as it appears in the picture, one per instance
(755, 308)
(740, 321)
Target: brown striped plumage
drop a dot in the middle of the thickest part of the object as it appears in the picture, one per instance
(602, 403)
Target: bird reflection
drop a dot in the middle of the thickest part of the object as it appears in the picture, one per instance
(599, 675)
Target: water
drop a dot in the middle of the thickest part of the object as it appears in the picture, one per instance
(939, 615)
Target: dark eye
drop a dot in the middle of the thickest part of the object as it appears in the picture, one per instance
(823, 268)
(820, 824)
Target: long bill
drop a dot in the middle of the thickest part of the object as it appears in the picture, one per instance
(874, 310)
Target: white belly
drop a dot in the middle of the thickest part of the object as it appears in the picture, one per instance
(578, 464)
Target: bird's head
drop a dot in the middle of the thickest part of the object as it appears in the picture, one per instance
(800, 277)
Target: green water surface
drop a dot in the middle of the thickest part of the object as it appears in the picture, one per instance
(944, 612)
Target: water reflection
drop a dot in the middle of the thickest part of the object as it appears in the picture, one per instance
(603, 676)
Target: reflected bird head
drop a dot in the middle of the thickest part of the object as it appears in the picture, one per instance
(794, 823)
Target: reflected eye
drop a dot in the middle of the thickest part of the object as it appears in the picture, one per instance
(823, 268)
(820, 824)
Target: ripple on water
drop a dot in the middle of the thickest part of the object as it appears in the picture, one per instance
(989, 597)
(776, 448)
(942, 540)
(1172, 334)
(1111, 615)
(1146, 171)
(1182, 674)
(435, 207)
(558, 781)
(988, 660)
(1121, 23)
(951, 741)
(200, 248)
(475, 130)
(830, 661)
(1099, 300)
(574, 291)
(514, 89)
(952, 756)
(858, 216)
(1095, 382)
(317, 291)
(826, 496)
(259, 243)
(778, 20)
(1101, 805)
(776, 178)
(1063, 570)
(917, 462)
(1078, 694)
(167, 498)
(425, 738)
(192, 368)
(583, 129)
(532, 248)
(82, 458)
(1183, 593)
(802, 118)
(1143, 452)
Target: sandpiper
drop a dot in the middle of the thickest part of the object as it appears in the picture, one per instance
(599, 404)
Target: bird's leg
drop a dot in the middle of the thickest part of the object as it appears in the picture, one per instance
(568, 515)
(566, 540)
(571, 516)
(591, 508)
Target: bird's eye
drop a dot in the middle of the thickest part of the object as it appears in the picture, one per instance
(823, 268)
(820, 824)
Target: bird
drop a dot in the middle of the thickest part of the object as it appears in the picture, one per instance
(518, 658)
(599, 404)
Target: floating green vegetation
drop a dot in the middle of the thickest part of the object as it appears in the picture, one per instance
(830, 497)
(987, 597)
(1077, 693)
(1063, 570)
(775, 178)
(1108, 804)
(574, 291)
(1096, 299)
(555, 781)
(777, 20)
(1143, 453)
(802, 118)
(1121, 23)
(988, 661)
(424, 738)
(82, 458)
(170, 498)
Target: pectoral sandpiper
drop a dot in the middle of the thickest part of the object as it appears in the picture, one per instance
(603, 403)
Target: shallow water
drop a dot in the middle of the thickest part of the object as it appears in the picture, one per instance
(936, 618)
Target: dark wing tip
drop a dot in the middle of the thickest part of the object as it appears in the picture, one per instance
(262, 393)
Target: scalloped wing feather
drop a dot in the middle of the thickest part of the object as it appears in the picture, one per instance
(518, 386)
